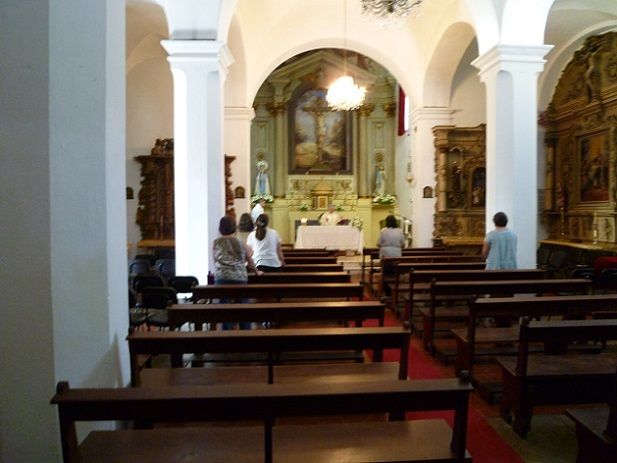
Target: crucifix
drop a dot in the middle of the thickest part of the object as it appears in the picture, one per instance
(318, 108)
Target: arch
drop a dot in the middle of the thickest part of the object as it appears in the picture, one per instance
(532, 14)
(444, 62)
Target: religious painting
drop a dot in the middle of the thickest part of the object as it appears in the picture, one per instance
(594, 167)
(320, 137)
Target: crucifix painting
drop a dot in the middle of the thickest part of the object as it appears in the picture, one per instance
(320, 141)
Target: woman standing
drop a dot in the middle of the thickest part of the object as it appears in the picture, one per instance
(390, 243)
(231, 258)
(266, 246)
(245, 227)
(391, 239)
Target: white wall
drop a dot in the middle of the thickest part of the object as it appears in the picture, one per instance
(468, 97)
(63, 268)
(149, 115)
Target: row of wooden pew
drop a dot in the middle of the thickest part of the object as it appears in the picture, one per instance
(286, 378)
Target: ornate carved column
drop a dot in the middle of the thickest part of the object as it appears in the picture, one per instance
(441, 147)
(363, 156)
(278, 110)
(549, 187)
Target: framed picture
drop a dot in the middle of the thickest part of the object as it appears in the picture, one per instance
(320, 138)
(321, 202)
(593, 157)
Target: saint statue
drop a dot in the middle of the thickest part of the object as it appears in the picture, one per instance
(380, 180)
(262, 183)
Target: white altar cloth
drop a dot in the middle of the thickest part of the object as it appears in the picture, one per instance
(341, 237)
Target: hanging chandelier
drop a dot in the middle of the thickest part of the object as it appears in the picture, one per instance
(391, 11)
(344, 94)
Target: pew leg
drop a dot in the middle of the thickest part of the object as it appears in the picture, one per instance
(522, 410)
(463, 357)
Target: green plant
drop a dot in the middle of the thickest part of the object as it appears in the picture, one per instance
(268, 198)
(384, 199)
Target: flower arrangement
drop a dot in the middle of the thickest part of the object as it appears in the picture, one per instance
(303, 207)
(269, 198)
(357, 223)
(384, 199)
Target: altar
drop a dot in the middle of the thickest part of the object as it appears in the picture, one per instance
(343, 237)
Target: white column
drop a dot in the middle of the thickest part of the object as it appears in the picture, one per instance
(423, 170)
(199, 69)
(63, 268)
(510, 74)
(238, 144)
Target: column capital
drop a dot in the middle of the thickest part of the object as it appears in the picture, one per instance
(239, 113)
(439, 115)
(520, 58)
(197, 51)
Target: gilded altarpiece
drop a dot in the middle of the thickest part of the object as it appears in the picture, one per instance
(155, 213)
(460, 168)
(580, 200)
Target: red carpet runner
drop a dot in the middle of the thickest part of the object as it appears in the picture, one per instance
(483, 443)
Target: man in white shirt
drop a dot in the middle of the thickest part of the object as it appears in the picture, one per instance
(330, 217)
(258, 209)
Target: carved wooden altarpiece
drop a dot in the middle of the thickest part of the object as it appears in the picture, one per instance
(460, 167)
(580, 199)
(155, 213)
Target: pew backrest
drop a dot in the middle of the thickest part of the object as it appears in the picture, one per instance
(276, 312)
(258, 402)
(279, 291)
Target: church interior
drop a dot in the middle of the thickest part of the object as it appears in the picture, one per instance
(132, 126)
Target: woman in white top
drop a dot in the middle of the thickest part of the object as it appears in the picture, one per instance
(266, 245)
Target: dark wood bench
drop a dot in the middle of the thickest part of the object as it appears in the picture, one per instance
(310, 260)
(308, 252)
(465, 290)
(278, 313)
(514, 308)
(361, 441)
(312, 268)
(388, 264)
(372, 263)
(556, 377)
(271, 343)
(300, 277)
(415, 288)
(596, 431)
(279, 291)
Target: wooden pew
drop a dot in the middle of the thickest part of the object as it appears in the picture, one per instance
(596, 431)
(279, 291)
(361, 441)
(310, 260)
(388, 264)
(300, 277)
(278, 313)
(374, 265)
(308, 252)
(313, 268)
(272, 343)
(418, 281)
(502, 341)
(556, 379)
(466, 290)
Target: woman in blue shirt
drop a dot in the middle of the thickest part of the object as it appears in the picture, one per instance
(499, 247)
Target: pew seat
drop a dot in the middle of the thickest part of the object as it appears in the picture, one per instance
(557, 377)
(363, 441)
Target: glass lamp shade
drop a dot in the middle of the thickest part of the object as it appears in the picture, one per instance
(345, 95)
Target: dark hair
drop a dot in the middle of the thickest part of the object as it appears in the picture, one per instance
(391, 221)
(227, 225)
(500, 219)
(246, 223)
(260, 226)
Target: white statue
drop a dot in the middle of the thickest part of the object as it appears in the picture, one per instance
(262, 183)
(380, 181)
